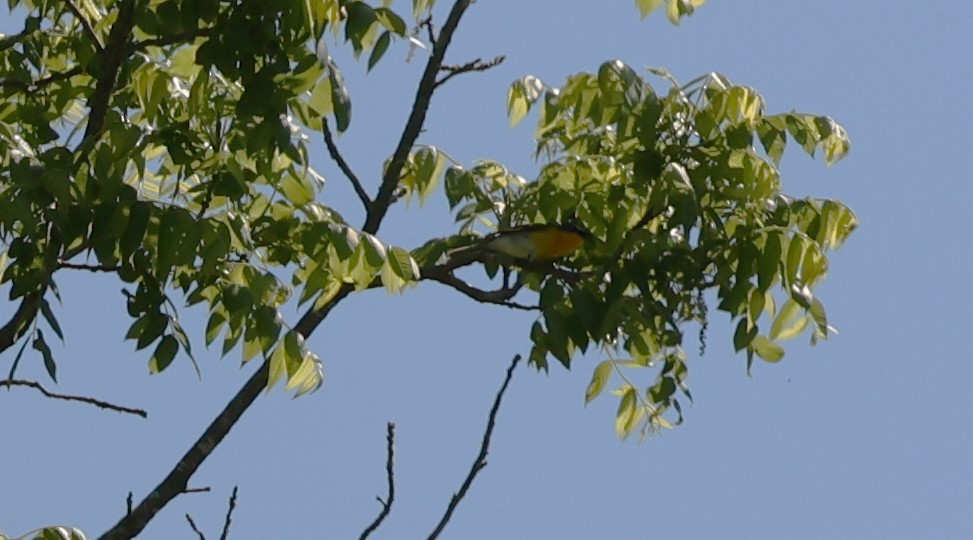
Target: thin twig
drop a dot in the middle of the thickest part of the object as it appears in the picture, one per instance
(204, 489)
(475, 65)
(128, 503)
(85, 24)
(30, 88)
(229, 515)
(390, 475)
(84, 399)
(89, 267)
(480, 461)
(343, 165)
(162, 41)
(195, 529)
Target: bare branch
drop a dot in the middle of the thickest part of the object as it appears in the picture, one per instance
(195, 529)
(128, 503)
(475, 65)
(84, 399)
(343, 165)
(229, 515)
(500, 296)
(85, 24)
(480, 461)
(204, 489)
(390, 475)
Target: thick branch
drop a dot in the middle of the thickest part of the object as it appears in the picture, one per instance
(343, 165)
(176, 480)
(427, 85)
(111, 63)
(480, 461)
(84, 399)
(390, 475)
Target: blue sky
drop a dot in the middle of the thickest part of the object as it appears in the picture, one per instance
(864, 436)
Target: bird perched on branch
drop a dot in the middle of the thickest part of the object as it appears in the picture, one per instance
(534, 243)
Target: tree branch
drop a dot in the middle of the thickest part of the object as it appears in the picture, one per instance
(89, 267)
(229, 515)
(133, 523)
(343, 165)
(475, 65)
(162, 41)
(427, 85)
(390, 475)
(85, 24)
(84, 399)
(480, 461)
(195, 529)
(500, 296)
(111, 63)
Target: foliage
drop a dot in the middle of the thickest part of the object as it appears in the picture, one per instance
(682, 190)
(167, 142)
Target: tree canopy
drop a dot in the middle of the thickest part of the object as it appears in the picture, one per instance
(169, 141)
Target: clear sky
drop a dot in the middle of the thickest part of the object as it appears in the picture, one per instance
(866, 435)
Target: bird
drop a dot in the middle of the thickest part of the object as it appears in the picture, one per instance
(539, 242)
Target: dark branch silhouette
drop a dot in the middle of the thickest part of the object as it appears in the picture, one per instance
(480, 462)
(475, 65)
(83, 399)
(162, 41)
(343, 165)
(390, 475)
(85, 24)
(195, 529)
(229, 514)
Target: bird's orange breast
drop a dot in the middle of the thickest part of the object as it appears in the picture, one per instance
(553, 244)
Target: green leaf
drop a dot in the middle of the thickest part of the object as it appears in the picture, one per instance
(521, 95)
(165, 351)
(629, 412)
(744, 334)
(767, 349)
(789, 322)
(308, 377)
(340, 98)
(381, 46)
(51, 320)
(402, 264)
(647, 6)
(599, 378)
(298, 190)
(40, 345)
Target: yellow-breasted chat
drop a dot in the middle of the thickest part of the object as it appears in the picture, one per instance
(536, 242)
